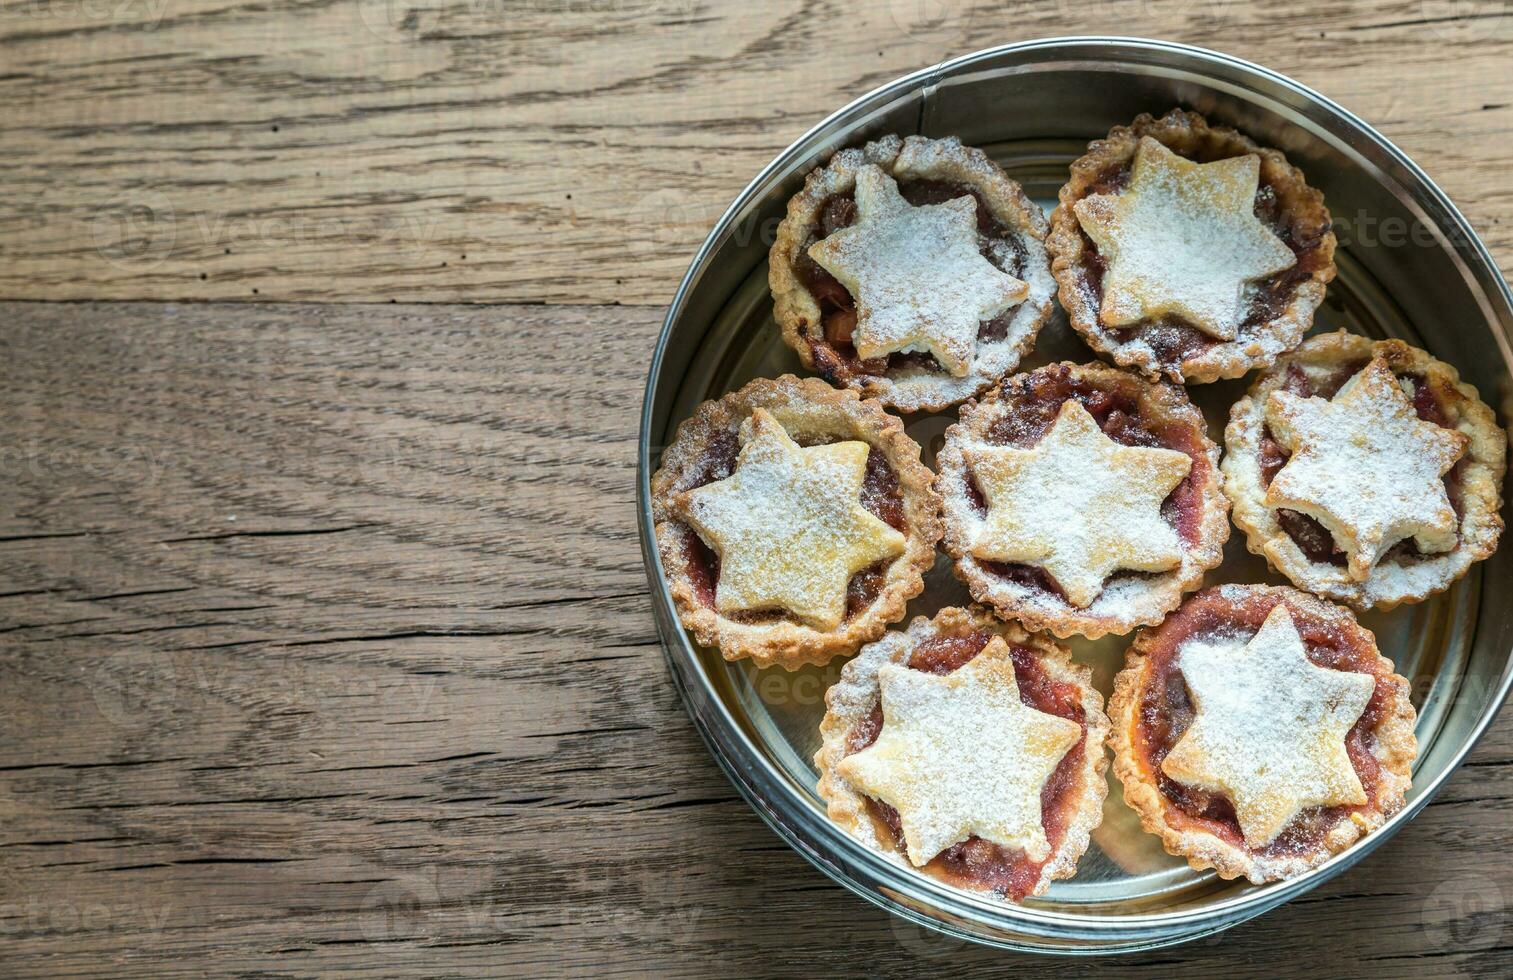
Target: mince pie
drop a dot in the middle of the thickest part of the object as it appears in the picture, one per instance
(1079, 498)
(911, 270)
(794, 521)
(1186, 250)
(1259, 732)
(1364, 471)
(968, 749)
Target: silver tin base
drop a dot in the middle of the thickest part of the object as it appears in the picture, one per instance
(1409, 267)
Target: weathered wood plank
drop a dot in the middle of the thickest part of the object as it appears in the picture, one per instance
(406, 711)
(566, 151)
(302, 608)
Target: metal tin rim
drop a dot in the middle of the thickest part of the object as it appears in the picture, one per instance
(753, 775)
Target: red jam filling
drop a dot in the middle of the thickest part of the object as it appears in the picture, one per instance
(880, 494)
(1174, 340)
(1166, 710)
(1311, 537)
(834, 355)
(1033, 402)
(976, 863)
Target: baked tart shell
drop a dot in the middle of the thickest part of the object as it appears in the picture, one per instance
(1187, 133)
(1394, 748)
(811, 411)
(1123, 606)
(855, 695)
(801, 318)
(1478, 476)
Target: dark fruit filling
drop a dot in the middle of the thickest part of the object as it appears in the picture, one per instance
(1165, 711)
(880, 491)
(1174, 340)
(1311, 537)
(834, 355)
(880, 495)
(1033, 402)
(976, 863)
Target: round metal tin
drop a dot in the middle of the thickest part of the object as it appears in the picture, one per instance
(1409, 266)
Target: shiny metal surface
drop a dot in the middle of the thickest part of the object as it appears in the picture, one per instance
(1409, 267)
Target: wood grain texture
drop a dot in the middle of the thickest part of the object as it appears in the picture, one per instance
(320, 653)
(564, 150)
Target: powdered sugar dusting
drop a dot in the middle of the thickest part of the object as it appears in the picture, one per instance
(1182, 239)
(962, 755)
(1270, 728)
(788, 524)
(1078, 504)
(917, 275)
(1366, 467)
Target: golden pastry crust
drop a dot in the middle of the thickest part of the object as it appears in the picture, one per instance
(1142, 346)
(851, 700)
(1127, 602)
(910, 389)
(1392, 581)
(811, 412)
(1394, 748)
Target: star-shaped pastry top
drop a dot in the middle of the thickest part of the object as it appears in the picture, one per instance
(789, 525)
(1270, 728)
(1078, 504)
(1366, 467)
(961, 755)
(919, 281)
(1182, 239)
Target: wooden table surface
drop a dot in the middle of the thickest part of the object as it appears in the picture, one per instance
(324, 638)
